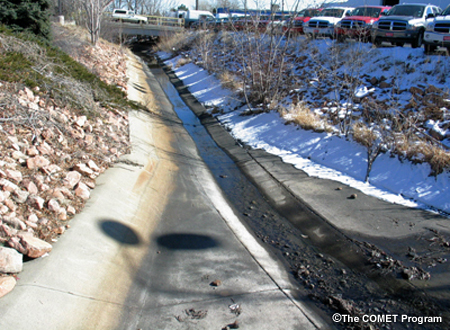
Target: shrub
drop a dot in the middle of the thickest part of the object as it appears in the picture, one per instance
(27, 16)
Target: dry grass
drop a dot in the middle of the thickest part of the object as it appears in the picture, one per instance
(364, 135)
(421, 151)
(173, 43)
(302, 116)
(229, 80)
(182, 61)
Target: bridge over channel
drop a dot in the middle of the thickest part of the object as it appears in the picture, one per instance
(155, 27)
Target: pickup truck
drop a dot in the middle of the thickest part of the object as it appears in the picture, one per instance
(359, 24)
(295, 26)
(123, 15)
(323, 24)
(437, 32)
(404, 23)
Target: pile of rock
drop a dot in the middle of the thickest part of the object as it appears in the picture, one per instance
(50, 157)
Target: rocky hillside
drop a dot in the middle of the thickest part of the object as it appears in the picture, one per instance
(57, 135)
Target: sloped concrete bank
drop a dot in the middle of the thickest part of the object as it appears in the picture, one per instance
(369, 236)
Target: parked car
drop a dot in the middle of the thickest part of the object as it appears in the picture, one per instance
(219, 24)
(437, 32)
(123, 15)
(404, 23)
(252, 23)
(275, 23)
(323, 25)
(295, 25)
(202, 23)
(359, 24)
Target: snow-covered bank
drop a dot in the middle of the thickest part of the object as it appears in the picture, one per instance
(325, 155)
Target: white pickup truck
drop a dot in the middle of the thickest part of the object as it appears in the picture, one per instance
(128, 16)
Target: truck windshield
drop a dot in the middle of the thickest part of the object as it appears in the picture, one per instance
(415, 11)
(308, 13)
(446, 11)
(332, 12)
(367, 12)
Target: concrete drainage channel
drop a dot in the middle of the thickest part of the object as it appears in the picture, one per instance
(329, 267)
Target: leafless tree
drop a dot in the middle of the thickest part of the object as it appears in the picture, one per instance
(231, 4)
(94, 10)
(157, 7)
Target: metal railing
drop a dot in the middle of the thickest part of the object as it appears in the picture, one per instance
(158, 20)
(165, 21)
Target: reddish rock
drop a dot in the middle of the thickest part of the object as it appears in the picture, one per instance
(77, 134)
(89, 139)
(81, 121)
(47, 134)
(31, 224)
(6, 232)
(10, 204)
(33, 218)
(384, 85)
(20, 196)
(71, 179)
(14, 242)
(8, 185)
(53, 206)
(59, 230)
(71, 210)
(7, 284)
(90, 183)
(416, 91)
(83, 169)
(4, 195)
(14, 222)
(29, 186)
(3, 209)
(13, 175)
(51, 169)
(37, 162)
(32, 151)
(28, 93)
(36, 202)
(82, 191)
(66, 192)
(19, 156)
(29, 245)
(57, 193)
(11, 261)
(45, 149)
(93, 166)
(62, 215)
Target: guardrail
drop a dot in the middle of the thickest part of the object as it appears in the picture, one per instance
(158, 20)
(165, 21)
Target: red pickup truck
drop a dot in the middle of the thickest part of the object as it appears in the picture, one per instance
(295, 26)
(359, 24)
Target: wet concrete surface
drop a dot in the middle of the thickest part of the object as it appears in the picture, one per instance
(337, 272)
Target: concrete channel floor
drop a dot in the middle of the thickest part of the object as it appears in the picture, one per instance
(152, 241)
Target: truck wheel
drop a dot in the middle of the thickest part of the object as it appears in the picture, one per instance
(430, 49)
(418, 41)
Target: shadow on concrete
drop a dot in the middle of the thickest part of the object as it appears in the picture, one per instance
(119, 232)
(187, 242)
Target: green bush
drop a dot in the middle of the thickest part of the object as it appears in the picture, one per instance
(27, 16)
